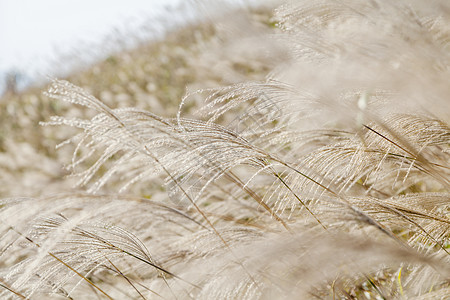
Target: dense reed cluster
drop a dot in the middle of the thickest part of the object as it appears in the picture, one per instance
(328, 180)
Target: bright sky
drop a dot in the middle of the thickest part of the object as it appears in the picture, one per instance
(34, 33)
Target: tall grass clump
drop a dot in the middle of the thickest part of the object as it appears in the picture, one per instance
(328, 180)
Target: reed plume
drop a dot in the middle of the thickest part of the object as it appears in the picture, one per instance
(329, 179)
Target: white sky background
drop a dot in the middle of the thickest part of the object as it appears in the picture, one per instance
(34, 34)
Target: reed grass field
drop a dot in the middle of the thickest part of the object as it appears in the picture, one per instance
(294, 150)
